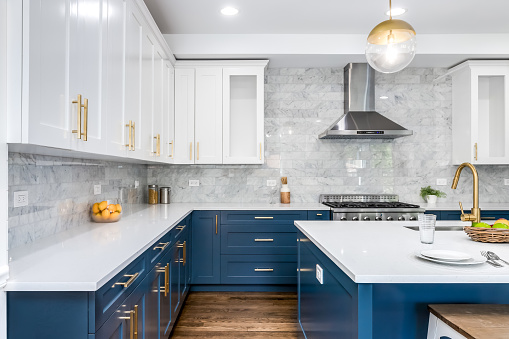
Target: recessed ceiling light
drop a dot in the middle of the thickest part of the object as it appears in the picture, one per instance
(229, 11)
(396, 11)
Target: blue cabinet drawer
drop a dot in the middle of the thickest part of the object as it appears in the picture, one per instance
(261, 239)
(262, 217)
(113, 293)
(181, 227)
(319, 215)
(258, 269)
(159, 248)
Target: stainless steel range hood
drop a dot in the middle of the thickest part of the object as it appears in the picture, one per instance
(360, 120)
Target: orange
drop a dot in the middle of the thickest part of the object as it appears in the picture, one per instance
(103, 205)
(95, 208)
(105, 214)
(112, 208)
(115, 215)
(119, 208)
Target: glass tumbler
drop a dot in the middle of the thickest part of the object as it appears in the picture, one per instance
(427, 228)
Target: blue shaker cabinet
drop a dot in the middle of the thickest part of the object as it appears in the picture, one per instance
(206, 247)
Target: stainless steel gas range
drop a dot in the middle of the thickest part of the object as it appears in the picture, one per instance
(369, 207)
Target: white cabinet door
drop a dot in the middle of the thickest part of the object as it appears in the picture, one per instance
(184, 116)
(114, 49)
(46, 115)
(157, 121)
(208, 123)
(168, 147)
(147, 94)
(86, 76)
(243, 113)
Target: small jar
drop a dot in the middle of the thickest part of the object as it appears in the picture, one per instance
(152, 195)
(164, 195)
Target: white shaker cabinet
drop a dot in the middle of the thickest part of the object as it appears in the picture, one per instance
(243, 108)
(184, 116)
(480, 105)
(168, 140)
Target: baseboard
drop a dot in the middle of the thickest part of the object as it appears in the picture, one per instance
(244, 288)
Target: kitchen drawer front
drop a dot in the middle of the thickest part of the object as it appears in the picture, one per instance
(319, 215)
(113, 293)
(158, 249)
(182, 226)
(259, 269)
(262, 217)
(262, 239)
(486, 216)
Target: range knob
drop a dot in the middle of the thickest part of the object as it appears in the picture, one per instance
(342, 218)
(413, 218)
(355, 218)
(401, 218)
(378, 218)
(390, 218)
(366, 219)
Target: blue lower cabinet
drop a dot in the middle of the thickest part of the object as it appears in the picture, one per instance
(153, 302)
(437, 213)
(174, 282)
(206, 235)
(260, 239)
(258, 269)
(486, 216)
(319, 215)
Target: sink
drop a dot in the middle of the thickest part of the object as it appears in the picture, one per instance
(438, 228)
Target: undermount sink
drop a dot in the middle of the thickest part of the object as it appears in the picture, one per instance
(438, 228)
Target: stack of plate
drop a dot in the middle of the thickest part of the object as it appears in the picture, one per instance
(450, 257)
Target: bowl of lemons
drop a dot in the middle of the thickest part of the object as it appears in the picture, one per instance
(483, 232)
(105, 212)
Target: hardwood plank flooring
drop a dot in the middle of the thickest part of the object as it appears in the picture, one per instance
(254, 315)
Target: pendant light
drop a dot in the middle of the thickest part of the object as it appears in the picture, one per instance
(391, 45)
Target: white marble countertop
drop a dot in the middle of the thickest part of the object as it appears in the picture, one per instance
(85, 258)
(384, 252)
(454, 206)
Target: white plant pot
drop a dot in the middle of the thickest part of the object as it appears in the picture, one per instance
(431, 199)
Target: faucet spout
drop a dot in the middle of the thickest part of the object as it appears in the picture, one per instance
(475, 216)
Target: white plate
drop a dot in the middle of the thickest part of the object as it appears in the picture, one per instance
(470, 261)
(446, 255)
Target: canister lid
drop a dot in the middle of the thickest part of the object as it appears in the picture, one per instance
(166, 188)
(152, 186)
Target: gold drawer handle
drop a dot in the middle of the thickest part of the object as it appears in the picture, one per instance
(180, 228)
(264, 217)
(171, 143)
(128, 282)
(183, 246)
(264, 240)
(318, 214)
(161, 246)
(264, 270)
(166, 279)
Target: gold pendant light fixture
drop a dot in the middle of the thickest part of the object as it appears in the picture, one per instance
(391, 45)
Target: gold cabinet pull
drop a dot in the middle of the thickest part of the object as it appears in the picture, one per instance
(475, 146)
(78, 130)
(166, 279)
(180, 228)
(132, 278)
(260, 151)
(134, 136)
(264, 240)
(171, 155)
(264, 217)
(161, 246)
(183, 246)
(85, 120)
(264, 269)
(135, 327)
(130, 144)
(131, 322)
(216, 223)
(198, 150)
(185, 250)
(318, 214)
(158, 145)
(190, 151)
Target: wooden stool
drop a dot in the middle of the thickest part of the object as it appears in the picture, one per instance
(468, 321)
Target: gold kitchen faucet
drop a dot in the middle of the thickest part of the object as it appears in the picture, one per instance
(475, 216)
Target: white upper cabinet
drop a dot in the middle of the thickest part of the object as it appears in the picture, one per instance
(168, 141)
(157, 117)
(147, 95)
(208, 122)
(243, 108)
(219, 108)
(184, 116)
(480, 104)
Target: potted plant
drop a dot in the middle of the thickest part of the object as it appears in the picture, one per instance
(430, 194)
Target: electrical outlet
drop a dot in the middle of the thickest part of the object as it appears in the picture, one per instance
(136, 183)
(441, 182)
(194, 183)
(20, 198)
(506, 182)
(97, 189)
(271, 183)
(319, 274)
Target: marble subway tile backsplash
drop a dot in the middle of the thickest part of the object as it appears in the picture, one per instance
(61, 191)
(300, 103)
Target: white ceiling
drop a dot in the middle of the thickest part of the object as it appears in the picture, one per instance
(327, 16)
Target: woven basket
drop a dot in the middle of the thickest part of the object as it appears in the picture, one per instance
(487, 234)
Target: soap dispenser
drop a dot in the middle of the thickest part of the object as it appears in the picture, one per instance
(285, 191)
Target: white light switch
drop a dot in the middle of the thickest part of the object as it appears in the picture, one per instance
(271, 183)
(194, 183)
(441, 182)
(20, 198)
(506, 182)
(97, 189)
(136, 183)
(319, 274)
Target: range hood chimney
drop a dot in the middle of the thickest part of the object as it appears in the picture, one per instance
(360, 121)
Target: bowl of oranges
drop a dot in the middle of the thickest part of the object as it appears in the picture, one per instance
(104, 212)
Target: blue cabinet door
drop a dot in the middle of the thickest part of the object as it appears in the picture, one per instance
(437, 213)
(319, 215)
(206, 247)
(153, 309)
(184, 262)
(174, 282)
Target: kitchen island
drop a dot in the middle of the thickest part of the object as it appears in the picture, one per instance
(374, 286)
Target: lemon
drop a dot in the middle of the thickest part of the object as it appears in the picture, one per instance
(114, 215)
(481, 225)
(112, 208)
(103, 205)
(95, 208)
(105, 214)
(500, 225)
(119, 208)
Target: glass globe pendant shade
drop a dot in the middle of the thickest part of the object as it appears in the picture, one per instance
(391, 46)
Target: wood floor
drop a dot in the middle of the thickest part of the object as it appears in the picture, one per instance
(254, 315)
